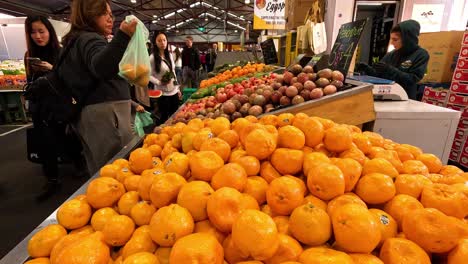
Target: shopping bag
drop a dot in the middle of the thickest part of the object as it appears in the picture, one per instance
(135, 64)
(302, 39)
(319, 38)
(316, 29)
(142, 120)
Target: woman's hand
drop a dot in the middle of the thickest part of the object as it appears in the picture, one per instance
(180, 95)
(42, 66)
(140, 109)
(128, 28)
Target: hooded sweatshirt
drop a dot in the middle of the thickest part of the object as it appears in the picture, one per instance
(407, 65)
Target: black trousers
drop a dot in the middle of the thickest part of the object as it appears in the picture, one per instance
(167, 106)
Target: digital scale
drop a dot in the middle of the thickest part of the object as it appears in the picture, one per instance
(384, 90)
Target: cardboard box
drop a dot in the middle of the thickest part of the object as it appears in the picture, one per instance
(464, 52)
(459, 87)
(465, 38)
(454, 155)
(462, 64)
(463, 124)
(463, 159)
(435, 94)
(443, 49)
(458, 145)
(460, 75)
(461, 134)
(455, 107)
(295, 12)
(458, 99)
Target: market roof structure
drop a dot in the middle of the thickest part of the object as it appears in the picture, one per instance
(208, 20)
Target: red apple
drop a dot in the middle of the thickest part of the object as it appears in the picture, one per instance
(221, 97)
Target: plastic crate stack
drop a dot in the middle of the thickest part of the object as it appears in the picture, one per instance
(457, 99)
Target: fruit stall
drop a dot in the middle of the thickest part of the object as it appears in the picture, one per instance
(12, 80)
(264, 190)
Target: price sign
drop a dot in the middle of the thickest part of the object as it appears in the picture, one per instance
(269, 52)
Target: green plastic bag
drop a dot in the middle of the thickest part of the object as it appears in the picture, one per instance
(142, 120)
(135, 64)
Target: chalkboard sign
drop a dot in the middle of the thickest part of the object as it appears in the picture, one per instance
(269, 52)
(345, 45)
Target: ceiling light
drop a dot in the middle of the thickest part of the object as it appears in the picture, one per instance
(235, 30)
(247, 1)
(133, 1)
(206, 19)
(241, 16)
(154, 21)
(155, 16)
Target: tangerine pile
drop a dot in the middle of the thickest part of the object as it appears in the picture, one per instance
(234, 73)
(279, 189)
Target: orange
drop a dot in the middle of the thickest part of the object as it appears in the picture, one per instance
(140, 242)
(282, 224)
(235, 154)
(64, 242)
(375, 188)
(256, 187)
(351, 171)
(404, 153)
(199, 248)
(355, 154)
(196, 124)
(312, 160)
(355, 228)
(38, 261)
(230, 175)
(379, 165)
(415, 167)
(231, 137)
(347, 198)
(411, 184)
(400, 250)
(194, 197)
(169, 224)
(289, 249)
(239, 124)
(326, 181)
(163, 254)
(131, 183)
(388, 225)
(101, 216)
(163, 138)
(127, 201)
(252, 226)
(459, 254)
(392, 157)
(109, 170)
(312, 129)
(74, 214)
(176, 142)
(150, 139)
(375, 139)
(246, 130)
(118, 230)
(157, 163)
(362, 142)
(165, 188)
(291, 137)
(89, 249)
(141, 258)
(168, 149)
(449, 179)
(205, 164)
(206, 227)
(283, 195)
(146, 180)
(42, 242)
(187, 142)
(365, 259)
(285, 119)
(449, 199)
(140, 159)
(121, 163)
(260, 144)
(310, 199)
(338, 138)
(268, 172)
(449, 170)
(87, 229)
(178, 163)
(322, 255)
(104, 192)
(250, 164)
(123, 174)
(310, 225)
(413, 149)
(287, 161)
(217, 145)
(142, 212)
(219, 125)
(400, 206)
(223, 206)
(269, 120)
(155, 150)
(232, 254)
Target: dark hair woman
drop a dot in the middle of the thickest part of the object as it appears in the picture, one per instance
(91, 69)
(43, 51)
(161, 63)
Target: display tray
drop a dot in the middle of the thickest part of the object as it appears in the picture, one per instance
(19, 254)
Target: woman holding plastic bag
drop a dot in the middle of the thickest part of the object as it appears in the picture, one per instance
(92, 68)
(164, 78)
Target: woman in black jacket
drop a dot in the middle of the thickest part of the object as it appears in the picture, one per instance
(90, 70)
(43, 51)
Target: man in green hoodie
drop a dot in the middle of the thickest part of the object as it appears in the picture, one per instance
(407, 63)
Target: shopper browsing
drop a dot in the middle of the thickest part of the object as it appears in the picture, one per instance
(163, 77)
(407, 63)
(177, 55)
(213, 55)
(190, 63)
(92, 67)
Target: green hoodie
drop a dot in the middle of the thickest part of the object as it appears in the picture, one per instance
(407, 65)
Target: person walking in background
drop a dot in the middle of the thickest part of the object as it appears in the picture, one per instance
(177, 55)
(203, 60)
(162, 66)
(43, 52)
(213, 56)
(190, 63)
(91, 67)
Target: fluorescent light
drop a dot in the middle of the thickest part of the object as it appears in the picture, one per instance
(247, 1)
(242, 16)
(235, 30)
(155, 16)
(154, 21)
(133, 1)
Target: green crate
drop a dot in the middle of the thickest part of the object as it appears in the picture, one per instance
(187, 92)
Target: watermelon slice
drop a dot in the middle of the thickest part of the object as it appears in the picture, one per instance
(154, 93)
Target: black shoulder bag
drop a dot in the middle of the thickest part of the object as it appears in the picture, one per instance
(54, 101)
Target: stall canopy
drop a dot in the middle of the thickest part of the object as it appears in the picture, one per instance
(207, 20)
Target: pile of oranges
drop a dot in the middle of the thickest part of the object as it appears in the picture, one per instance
(285, 189)
(236, 72)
